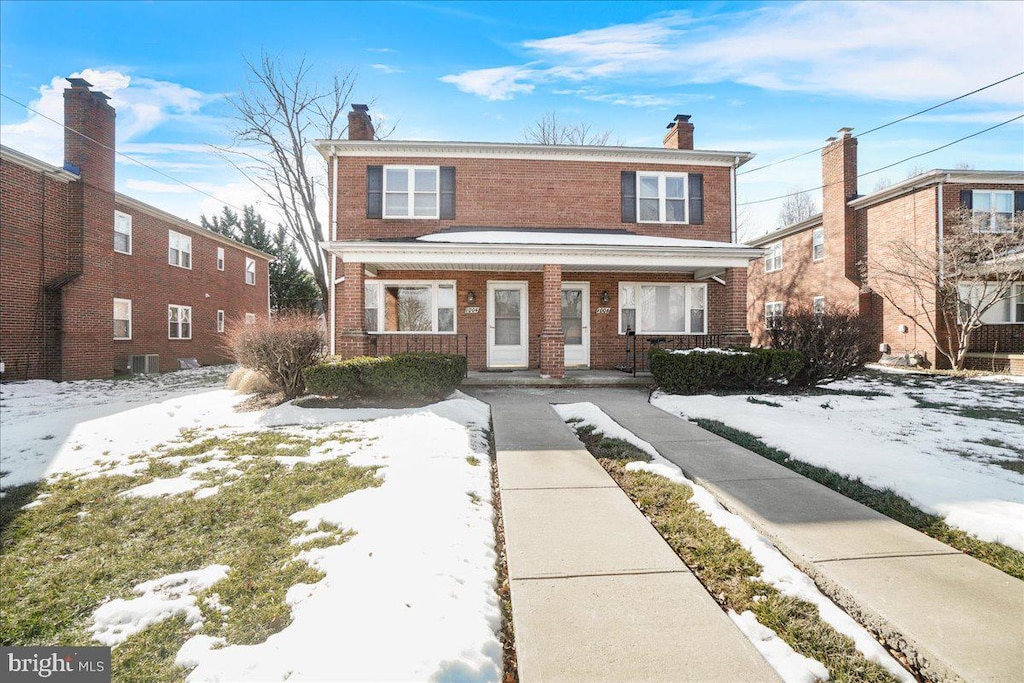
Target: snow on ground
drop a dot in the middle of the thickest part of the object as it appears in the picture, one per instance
(777, 569)
(410, 597)
(946, 444)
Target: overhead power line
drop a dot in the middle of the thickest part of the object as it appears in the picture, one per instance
(121, 154)
(886, 125)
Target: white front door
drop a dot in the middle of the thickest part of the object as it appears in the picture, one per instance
(576, 323)
(508, 325)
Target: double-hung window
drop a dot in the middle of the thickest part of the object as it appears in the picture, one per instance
(773, 258)
(662, 308)
(424, 307)
(179, 322)
(220, 321)
(122, 233)
(179, 249)
(411, 191)
(220, 258)
(250, 271)
(773, 314)
(818, 305)
(122, 318)
(817, 245)
(661, 197)
(992, 210)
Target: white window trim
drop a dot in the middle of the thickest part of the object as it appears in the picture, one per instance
(814, 304)
(686, 316)
(129, 302)
(411, 192)
(121, 215)
(180, 251)
(769, 305)
(433, 284)
(180, 308)
(989, 227)
(220, 321)
(815, 243)
(774, 250)
(661, 176)
(250, 266)
(220, 258)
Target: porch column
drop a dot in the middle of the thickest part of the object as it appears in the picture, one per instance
(351, 321)
(552, 337)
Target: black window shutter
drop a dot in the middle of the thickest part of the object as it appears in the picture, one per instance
(374, 191)
(967, 199)
(1018, 201)
(696, 189)
(447, 192)
(629, 197)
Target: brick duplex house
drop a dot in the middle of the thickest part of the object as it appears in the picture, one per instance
(816, 262)
(90, 278)
(532, 256)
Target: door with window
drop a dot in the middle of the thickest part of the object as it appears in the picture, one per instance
(576, 323)
(508, 321)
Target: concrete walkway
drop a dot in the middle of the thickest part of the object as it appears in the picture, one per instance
(955, 616)
(597, 594)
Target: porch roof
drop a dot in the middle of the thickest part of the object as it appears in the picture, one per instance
(530, 250)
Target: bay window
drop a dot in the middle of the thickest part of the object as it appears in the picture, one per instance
(654, 308)
(409, 307)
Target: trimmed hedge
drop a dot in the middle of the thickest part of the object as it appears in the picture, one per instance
(421, 375)
(702, 371)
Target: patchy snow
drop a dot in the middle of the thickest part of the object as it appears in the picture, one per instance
(951, 456)
(727, 352)
(160, 599)
(792, 666)
(777, 570)
(607, 238)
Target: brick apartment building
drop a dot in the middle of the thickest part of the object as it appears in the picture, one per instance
(533, 256)
(90, 278)
(816, 262)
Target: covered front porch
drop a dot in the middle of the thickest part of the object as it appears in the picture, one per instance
(542, 301)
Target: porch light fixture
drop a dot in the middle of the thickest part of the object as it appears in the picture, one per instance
(470, 296)
(605, 298)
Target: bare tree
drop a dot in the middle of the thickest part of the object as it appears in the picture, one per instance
(947, 288)
(279, 113)
(797, 207)
(549, 130)
(882, 183)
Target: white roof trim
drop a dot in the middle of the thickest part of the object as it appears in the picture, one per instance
(505, 150)
(608, 238)
(14, 156)
(956, 176)
(781, 233)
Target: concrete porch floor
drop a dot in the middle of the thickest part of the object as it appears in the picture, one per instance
(573, 378)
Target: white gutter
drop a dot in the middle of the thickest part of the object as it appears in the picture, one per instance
(334, 258)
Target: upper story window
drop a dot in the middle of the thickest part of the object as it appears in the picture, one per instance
(773, 258)
(250, 271)
(220, 258)
(992, 210)
(122, 318)
(409, 306)
(817, 245)
(662, 308)
(179, 249)
(773, 311)
(179, 322)
(661, 197)
(411, 191)
(122, 233)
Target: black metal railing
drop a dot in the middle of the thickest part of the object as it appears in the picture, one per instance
(389, 344)
(638, 347)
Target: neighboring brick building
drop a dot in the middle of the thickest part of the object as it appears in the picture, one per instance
(533, 256)
(86, 279)
(816, 262)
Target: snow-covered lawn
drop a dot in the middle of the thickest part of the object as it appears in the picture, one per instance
(403, 565)
(954, 447)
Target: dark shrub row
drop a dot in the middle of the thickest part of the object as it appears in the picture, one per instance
(420, 375)
(702, 371)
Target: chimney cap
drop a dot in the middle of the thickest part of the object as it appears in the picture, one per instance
(680, 118)
(78, 82)
(361, 107)
(844, 132)
(102, 97)
(831, 139)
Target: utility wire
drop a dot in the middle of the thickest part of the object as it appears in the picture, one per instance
(121, 154)
(886, 125)
(882, 168)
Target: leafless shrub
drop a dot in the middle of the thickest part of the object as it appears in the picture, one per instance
(248, 381)
(279, 348)
(834, 343)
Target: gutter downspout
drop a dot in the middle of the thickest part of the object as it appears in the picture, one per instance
(732, 194)
(334, 258)
(942, 236)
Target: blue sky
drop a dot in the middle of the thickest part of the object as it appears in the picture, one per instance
(775, 79)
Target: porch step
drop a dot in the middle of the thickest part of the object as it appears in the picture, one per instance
(573, 378)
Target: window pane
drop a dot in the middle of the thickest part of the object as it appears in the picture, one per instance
(697, 321)
(425, 204)
(675, 210)
(675, 187)
(120, 329)
(121, 242)
(649, 210)
(425, 180)
(407, 309)
(628, 320)
(446, 296)
(445, 319)
(186, 259)
(572, 315)
(397, 180)
(627, 296)
(507, 320)
(396, 204)
(649, 186)
(1004, 202)
(982, 201)
(186, 330)
(172, 314)
(506, 303)
(506, 332)
(370, 319)
(662, 308)
(370, 295)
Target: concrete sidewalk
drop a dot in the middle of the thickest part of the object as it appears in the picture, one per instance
(955, 617)
(597, 594)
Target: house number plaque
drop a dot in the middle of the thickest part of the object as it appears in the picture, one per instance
(604, 310)
(472, 309)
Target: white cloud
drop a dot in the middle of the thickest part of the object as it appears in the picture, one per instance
(387, 68)
(880, 50)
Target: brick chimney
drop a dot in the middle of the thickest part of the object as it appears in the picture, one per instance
(89, 134)
(360, 126)
(839, 186)
(680, 133)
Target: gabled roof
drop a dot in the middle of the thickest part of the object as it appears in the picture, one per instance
(775, 235)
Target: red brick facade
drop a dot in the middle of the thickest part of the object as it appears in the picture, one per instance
(60, 273)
